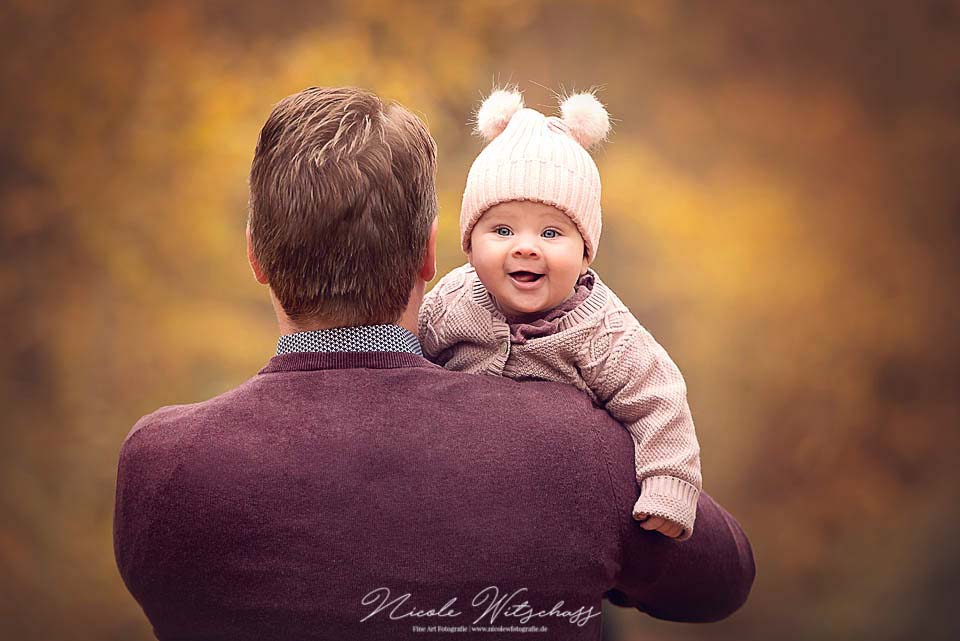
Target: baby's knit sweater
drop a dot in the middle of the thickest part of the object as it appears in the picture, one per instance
(600, 348)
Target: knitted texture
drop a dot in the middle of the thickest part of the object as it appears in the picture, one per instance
(600, 348)
(535, 158)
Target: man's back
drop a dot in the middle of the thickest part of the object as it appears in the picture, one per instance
(308, 502)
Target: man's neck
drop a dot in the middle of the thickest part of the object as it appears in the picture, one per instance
(408, 320)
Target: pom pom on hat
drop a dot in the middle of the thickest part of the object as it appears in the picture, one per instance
(496, 111)
(586, 118)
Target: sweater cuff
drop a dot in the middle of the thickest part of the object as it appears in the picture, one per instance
(671, 498)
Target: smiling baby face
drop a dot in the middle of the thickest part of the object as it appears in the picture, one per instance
(528, 255)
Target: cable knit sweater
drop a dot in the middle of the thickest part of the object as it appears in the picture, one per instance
(600, 348)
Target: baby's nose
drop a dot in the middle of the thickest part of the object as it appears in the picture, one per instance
(526, 249)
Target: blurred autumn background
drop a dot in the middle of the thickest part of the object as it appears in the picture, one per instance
(781, 209)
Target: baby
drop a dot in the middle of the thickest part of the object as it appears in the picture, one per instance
(527, 306)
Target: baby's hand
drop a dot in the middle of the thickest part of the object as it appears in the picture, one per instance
(660, 524)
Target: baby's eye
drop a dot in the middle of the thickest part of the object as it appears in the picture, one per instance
(502, 231)
(550, 233)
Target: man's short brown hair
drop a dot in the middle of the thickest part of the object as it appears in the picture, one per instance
(342, 196)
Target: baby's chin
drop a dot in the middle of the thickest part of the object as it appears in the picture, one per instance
(527, 311)
(522, 308)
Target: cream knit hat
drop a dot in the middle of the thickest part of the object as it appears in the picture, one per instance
(540, 158)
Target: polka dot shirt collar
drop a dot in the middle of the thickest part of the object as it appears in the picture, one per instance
(364, 338)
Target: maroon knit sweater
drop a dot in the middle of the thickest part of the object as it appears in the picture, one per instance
(376, 496)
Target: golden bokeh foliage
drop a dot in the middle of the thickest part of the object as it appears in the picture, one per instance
(781, 209)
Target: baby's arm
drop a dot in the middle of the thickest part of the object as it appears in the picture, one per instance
(427, 319)
(455, 331)
(642, 388)
(430, 319)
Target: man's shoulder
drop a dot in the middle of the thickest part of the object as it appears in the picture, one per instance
(172, 423)
(526, 403)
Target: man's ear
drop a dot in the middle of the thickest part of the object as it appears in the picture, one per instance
(254, 265)
(428, 270)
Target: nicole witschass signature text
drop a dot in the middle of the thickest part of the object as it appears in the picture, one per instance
(489, 602)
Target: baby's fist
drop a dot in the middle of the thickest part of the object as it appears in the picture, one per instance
(660, 524)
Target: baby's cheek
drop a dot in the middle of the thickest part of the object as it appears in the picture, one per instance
(485, 272)
(482, 274)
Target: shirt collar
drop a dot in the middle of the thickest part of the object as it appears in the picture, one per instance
(363, 338)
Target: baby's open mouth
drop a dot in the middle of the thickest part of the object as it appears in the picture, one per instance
(526, 277)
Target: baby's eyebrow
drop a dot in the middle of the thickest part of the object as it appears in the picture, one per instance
(559, 219)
